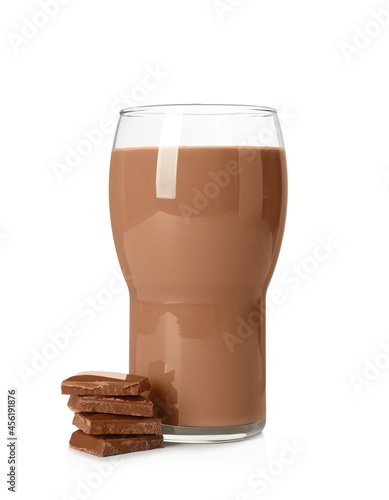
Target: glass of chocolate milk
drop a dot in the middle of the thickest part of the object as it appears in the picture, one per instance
(198, 199)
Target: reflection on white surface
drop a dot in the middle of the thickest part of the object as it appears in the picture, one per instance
(167, 156)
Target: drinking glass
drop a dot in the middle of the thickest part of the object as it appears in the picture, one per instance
(198, 199)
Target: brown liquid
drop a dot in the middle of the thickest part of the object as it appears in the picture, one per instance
(198, 267)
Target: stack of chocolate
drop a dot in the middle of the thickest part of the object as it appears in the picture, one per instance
(110, 413)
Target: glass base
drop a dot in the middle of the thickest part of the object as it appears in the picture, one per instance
(180, 434)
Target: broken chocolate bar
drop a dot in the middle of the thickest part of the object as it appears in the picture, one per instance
(104, 423)
(106, 444)
(105, 384)
(118, 405)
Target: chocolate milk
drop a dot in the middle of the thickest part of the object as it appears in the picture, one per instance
(198, 259)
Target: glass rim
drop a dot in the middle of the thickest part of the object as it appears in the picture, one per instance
(198, 109)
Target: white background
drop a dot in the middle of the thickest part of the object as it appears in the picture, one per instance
(56, 247)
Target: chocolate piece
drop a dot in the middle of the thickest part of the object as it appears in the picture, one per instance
(118, 405)
(106, 444)
(104, 423)
(105, 384)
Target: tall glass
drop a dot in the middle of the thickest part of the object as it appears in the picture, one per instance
(198, 203)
